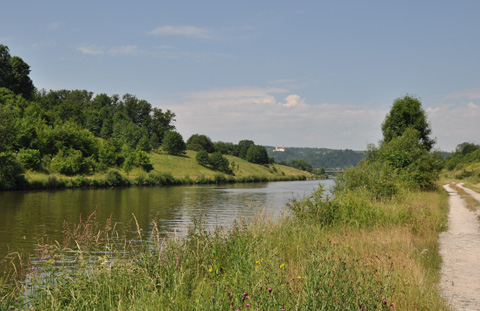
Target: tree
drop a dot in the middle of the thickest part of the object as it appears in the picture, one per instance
(242, 148)
(199, 142)
(202, 158)
(173, 143)
(407, 112)
(219, 162)
(257, 155)
(14, 74)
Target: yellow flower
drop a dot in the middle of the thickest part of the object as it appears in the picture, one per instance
(282, 265)
(210, 270)
(262, 259)
(299, 277)
(258, 261)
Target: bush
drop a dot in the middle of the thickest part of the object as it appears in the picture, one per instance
(30, 158)
(114, 178)
(219, 162)
(202, 158)
(11, 172)
(143, 160)
(70, 162)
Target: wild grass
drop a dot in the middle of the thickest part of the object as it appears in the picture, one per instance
(385, 260)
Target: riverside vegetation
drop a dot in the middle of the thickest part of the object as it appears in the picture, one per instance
(372, 245)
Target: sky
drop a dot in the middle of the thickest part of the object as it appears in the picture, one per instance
(288, 73)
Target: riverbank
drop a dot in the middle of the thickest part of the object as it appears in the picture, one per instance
(386, 259)
(168, 170)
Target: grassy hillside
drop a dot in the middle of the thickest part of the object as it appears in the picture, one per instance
(171, 170)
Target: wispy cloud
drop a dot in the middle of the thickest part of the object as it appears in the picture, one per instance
(468, 94)
(188, 31)
(119, 50)
(91, 50)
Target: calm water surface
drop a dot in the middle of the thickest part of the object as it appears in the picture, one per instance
(27, 215)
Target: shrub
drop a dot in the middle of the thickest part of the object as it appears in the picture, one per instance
(114, 178)
(219, 162)
(202, 158)
(30, 158)
(69, 162)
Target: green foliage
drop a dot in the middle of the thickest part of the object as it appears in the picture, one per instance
(219, 162)
(173, 143)
(225, 148)
(465, 153)
(199, 142)
(202, 158)
(257, 154)
(14, 74)
(300, 165)
(114, 178)
(30, 158)
(70, 162)
(143, 160)
(242, 148)
(407, 112)
(11, 171)
(111, 153)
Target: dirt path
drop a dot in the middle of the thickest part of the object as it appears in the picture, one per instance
(460, 250)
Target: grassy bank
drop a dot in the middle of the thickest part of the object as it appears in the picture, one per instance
(170, 170)
(386, 259)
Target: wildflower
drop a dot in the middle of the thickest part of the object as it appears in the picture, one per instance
(299, 277)
(210, 270)
(269, 289)
(247, 305)
(282, 265)
(257, 262)
(392, 304)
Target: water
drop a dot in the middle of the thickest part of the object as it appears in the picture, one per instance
(25, 216)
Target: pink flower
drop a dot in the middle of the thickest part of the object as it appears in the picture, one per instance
(247, 305)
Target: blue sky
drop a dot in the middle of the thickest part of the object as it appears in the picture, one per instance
(292, 73)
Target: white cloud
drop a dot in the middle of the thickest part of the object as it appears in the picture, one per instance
(454, 123)
(247, 112)
(188, 31)
(91, 50)
(293, 100)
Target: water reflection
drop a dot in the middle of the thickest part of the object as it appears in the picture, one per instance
(27, 215)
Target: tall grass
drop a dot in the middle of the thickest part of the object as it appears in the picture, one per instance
(386, 259)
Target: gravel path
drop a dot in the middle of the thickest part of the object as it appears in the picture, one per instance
(460, 250)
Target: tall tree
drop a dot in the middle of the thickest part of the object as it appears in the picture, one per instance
(14, 74)
(407, 112)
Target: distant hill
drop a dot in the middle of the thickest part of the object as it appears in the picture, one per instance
(318, 157)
